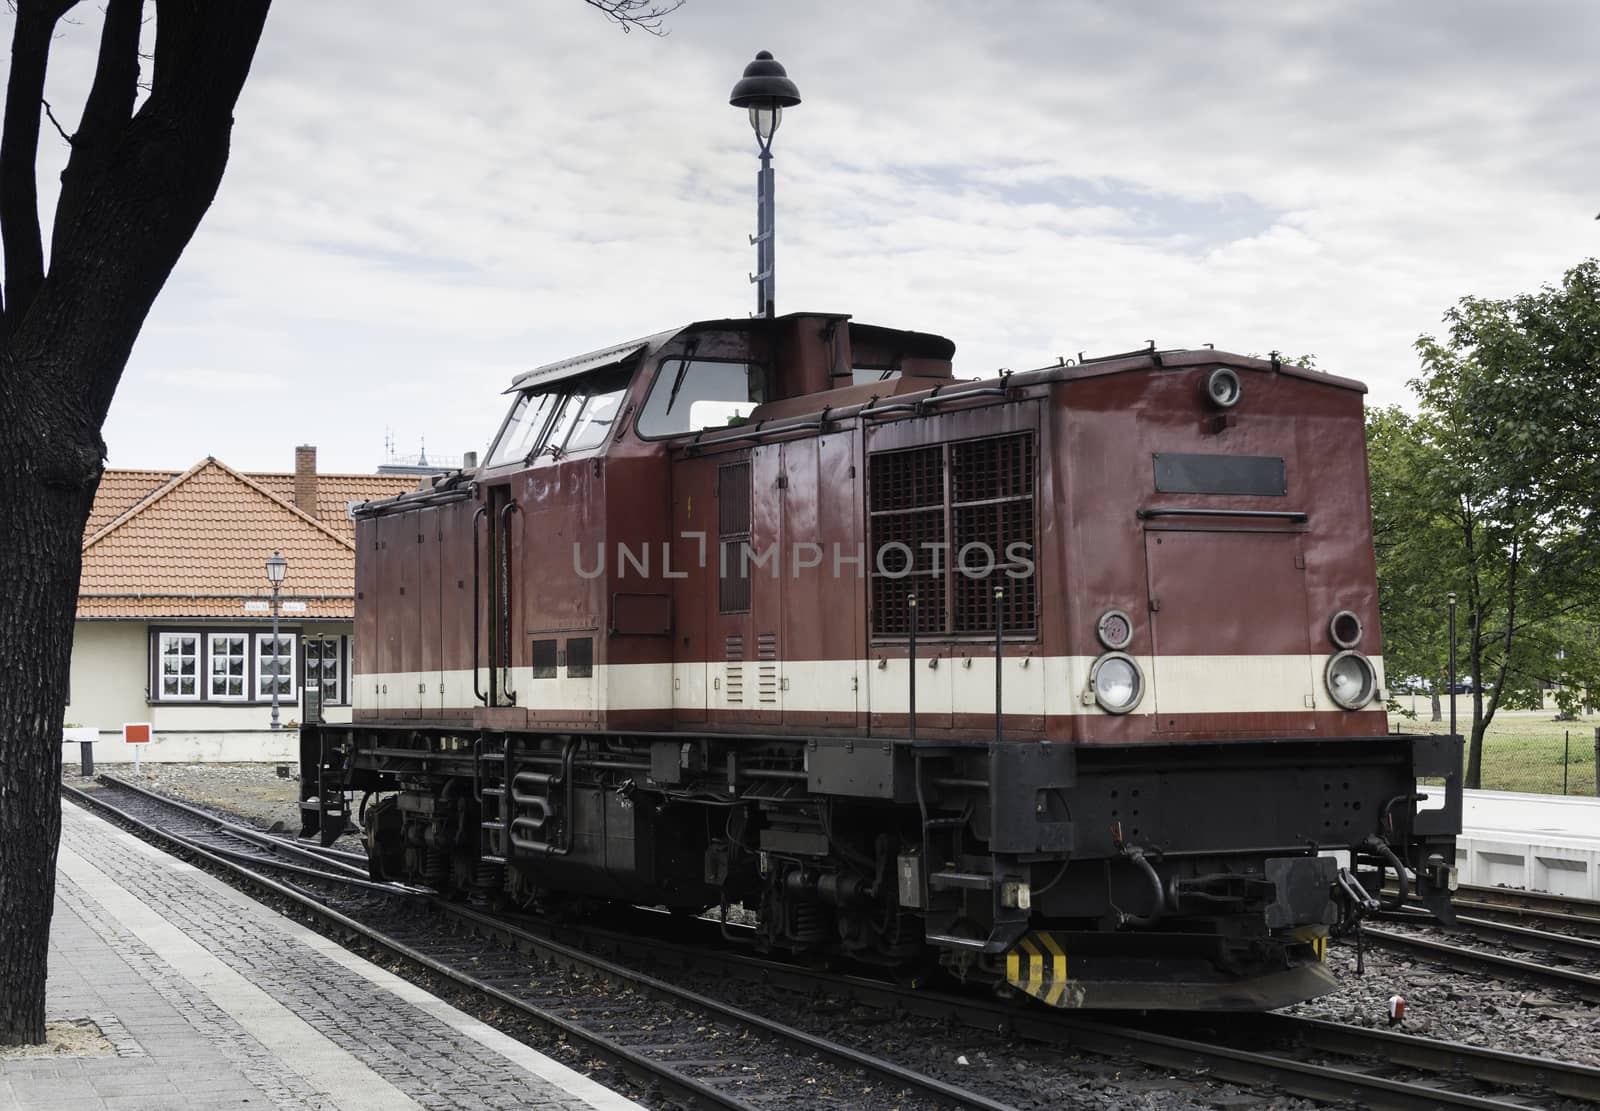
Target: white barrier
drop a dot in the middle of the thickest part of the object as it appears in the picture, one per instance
(1539, 842)
(239, 746)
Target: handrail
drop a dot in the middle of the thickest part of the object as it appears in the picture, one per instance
(1272, 514)
(477, 598)
(505, 590)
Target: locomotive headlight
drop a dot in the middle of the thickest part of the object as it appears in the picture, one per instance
(1222, 388)
(1351, 680)
(1345, 629)
(1117, 682)
(1115, 629)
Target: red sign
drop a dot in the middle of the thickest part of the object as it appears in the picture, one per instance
(136, 734)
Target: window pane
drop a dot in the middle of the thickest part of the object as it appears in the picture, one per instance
(688, 396)
(521, 434)
(564, 419)
(275, 672)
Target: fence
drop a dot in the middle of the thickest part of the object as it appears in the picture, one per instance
(1534, 756)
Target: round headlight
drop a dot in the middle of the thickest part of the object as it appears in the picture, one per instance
(1351, 680)
(1222, 388)
(1117, 682)
(1345, 629)
(1115, 629)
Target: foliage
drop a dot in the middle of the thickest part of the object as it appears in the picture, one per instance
(1491, 492)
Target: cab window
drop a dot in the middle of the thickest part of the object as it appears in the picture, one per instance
(693, 394)
(598, 417)
(520, 435)
(564, 417)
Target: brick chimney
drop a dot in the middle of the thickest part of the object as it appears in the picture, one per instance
(305, 478)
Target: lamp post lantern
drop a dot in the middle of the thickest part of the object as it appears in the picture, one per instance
(765, 89)
(277, 567)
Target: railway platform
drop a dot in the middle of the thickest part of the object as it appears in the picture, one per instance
(207, 999)
(1540, 842)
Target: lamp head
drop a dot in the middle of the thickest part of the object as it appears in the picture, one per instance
(765, 89)
(277, 566)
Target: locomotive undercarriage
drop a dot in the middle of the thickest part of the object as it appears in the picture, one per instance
(1040, 868)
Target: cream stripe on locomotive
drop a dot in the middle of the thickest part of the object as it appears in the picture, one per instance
(1032, 685)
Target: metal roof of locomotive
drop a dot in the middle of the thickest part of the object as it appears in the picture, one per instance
(955, 391)
(920, 344)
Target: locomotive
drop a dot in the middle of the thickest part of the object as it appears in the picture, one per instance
(1067, 680)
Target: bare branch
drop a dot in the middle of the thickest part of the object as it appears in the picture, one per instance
(19, 150)
(52, 116)
(643, 14)
(116, 76)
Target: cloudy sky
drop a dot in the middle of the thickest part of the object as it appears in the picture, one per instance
(419, 206)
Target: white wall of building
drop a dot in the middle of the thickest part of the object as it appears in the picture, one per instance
(110, 675)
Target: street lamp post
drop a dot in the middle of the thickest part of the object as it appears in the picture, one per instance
(277, 567)
(765, 89)
(1450, 600)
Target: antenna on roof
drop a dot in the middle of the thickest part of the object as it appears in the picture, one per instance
(422, 456)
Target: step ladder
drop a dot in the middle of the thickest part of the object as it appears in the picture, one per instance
(325, 804)
(489, 787)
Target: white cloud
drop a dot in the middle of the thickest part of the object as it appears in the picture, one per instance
(415, 209)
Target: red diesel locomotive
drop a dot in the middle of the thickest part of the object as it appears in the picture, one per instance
(1070, 679)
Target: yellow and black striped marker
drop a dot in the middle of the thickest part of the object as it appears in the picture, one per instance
(1316, 937)
(1038, 965)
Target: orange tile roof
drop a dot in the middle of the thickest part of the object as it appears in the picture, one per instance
(335, 492)
(196, 544)
(120, 491)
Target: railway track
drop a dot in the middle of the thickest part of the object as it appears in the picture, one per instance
(1306, 1057)
(1509, 904)
(1376, 1068)
(1529, 940)
(697, 1050)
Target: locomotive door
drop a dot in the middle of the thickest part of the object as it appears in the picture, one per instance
(397, 640)
(694, 555)
(822, 598)
(1231, 631)
(430, 681)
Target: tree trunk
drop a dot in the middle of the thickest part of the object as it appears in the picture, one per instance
(134, 189)
(49, 486)
(1438, 711)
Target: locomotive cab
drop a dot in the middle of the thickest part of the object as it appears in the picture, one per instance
(1069, 679)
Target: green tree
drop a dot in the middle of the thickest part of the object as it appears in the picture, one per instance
(146, 160)
(1491, 491)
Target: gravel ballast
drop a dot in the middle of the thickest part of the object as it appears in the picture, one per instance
(1440, 1003)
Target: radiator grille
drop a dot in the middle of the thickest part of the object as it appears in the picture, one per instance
(733, 536)
(987, 512)
(733, 653)
(767, 668)
(906, 479)
(907, 496)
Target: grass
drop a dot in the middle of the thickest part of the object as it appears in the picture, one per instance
(1523, 750)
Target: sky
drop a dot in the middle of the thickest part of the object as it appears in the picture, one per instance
(418, 207)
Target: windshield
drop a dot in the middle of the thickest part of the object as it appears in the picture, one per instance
(569, 416)
(691, 394)
(529, 413)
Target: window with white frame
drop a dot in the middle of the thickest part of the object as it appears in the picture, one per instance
(178, 666)
(275, 668)
(325, 668)
(235, 665)
(229, 662)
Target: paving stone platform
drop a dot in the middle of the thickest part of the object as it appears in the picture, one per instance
(210, 1000)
